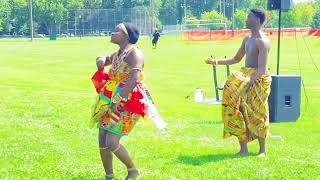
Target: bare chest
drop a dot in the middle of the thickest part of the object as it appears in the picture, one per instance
(251, 47)
(252, 53)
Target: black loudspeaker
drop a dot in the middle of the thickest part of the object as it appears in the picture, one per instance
(285, 98)
(280, 4)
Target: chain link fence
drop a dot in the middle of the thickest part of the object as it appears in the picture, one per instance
(95, 22)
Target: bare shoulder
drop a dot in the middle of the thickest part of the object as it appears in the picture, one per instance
(263, 43)
(135, 57)
(245, 39)
(136, 53)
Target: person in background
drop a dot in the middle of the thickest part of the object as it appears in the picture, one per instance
(155, 38)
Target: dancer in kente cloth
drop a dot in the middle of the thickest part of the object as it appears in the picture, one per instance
(245, 110)
(123, 98)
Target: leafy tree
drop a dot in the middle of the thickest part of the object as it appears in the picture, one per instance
(73, 4)
(316, 18)
(168, 12)
(216, 17)
(240, 19)
(92, 4)
(49, 13)
(18, 17)
(300, 16)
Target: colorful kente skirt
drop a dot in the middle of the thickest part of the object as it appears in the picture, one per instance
(134, 106)
(245, 110)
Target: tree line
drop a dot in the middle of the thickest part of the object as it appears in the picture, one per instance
(14, 14)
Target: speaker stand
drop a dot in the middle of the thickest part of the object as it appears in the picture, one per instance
(279, 31)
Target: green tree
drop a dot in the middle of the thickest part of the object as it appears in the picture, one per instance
(300, 16)
(261, 4)
(246, 4)
(92, 4)
(316, 18)
(155, 9)
(73, 4)
(108, 4)
(1, 24)
(168, 12)
(211, 15)
(249, 4)
(197, 7)
(19, 17)
(240, 19)
(216, 17)
(5, 16)
(271, 19)
(48, 14)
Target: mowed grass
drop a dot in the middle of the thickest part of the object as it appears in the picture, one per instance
(46, 97)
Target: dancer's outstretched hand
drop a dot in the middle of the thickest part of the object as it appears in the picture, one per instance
(209, 60)
(100, 61)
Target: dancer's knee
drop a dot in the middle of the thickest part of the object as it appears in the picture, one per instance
(113, 145)
(102, 139)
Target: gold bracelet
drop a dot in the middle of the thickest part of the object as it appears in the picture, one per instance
(116, 99)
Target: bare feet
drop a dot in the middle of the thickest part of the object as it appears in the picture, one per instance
(262, 154)
(243, 149)
(132, 174)
(109, 177)
(262, 150)
(242, 153)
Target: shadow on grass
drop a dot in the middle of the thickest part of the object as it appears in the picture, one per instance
(80, 177)
(84, 177)
(199, 160)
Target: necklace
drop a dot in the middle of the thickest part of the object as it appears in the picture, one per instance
(120, 57)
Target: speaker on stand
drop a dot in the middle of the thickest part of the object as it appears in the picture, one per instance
(283, 5)
(285, 95)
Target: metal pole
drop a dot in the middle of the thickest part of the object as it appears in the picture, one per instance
(228, 68)
(145, 21)
(99, 21)
(224, 8)
(67, 23)
(185, 12)
(214, 67)
(106, 11)
(140, 22)
(31, 20)
(151, 4)
(80, 26)
(75, 24)
(279, 29)
(114, 18)
(232, 15)
(90, 22)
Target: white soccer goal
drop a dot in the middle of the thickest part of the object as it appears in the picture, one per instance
(215, 24)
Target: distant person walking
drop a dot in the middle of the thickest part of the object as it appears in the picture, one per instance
(155, 38)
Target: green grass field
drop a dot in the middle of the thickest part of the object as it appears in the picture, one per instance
(45, 105)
